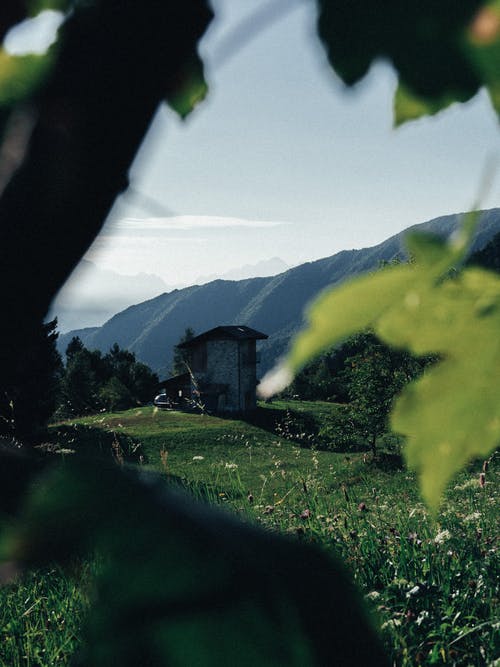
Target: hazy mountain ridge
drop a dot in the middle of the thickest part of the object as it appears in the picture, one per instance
(76, 302)
(274, 305)
(92, 294)
(262, 269)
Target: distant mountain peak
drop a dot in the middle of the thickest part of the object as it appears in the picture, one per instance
(262, 269)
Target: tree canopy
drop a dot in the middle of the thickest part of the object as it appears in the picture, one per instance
(92, 382)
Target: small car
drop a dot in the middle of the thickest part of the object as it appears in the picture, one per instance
(162, 401)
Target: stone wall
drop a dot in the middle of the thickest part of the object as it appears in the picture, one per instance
(231, 363)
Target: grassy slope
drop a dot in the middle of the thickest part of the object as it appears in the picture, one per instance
(433, 584)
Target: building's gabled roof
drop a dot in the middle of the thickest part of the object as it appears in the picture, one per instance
(226, 333)
(182, 378)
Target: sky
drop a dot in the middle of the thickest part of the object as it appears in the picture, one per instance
(282, 160)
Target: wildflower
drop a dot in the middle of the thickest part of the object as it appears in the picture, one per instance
(413, 591)
(306, 514)
(269, 509)
(442, 536)
(421, 617)
(466, 485)
(362, 507)
(231, 466)
(198, 458)
(372, 595)
(473, 517)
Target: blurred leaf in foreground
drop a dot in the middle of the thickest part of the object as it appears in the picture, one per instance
(443, 52)
(185, 584)
(190, 89)
(452, 412)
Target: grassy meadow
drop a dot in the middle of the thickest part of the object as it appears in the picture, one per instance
(432, 584)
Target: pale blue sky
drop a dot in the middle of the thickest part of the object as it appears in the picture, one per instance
(280, 140)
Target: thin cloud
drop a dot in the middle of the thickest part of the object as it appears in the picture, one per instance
(106, 240)
(189, 222)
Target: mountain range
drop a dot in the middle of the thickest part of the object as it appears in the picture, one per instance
(92, 294)
(262, 269)
(274, 305)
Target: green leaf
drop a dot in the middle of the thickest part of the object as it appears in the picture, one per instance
(354, 306)
(409, 106)
(442, 52)
(482, 47)
(37, 6)
(362, 302)
(452, 413)
(190, 89)
(423, 40)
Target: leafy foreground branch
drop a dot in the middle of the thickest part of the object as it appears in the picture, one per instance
(451, 413)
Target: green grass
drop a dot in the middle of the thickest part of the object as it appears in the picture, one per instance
(432, 583)
(40, 616)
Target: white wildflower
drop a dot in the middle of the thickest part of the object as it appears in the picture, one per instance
(442, 536)
(470, 483)
(421, 617)
(414, 591)
(372, 595)
(231, 466)
(198, 458)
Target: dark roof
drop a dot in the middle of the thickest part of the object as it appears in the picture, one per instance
(226, 333)
(175, 380)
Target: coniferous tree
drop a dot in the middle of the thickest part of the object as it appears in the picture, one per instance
(30, 386)
(80, 386)
(74, 346)
(93, 382)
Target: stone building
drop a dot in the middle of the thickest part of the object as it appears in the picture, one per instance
(223, 365)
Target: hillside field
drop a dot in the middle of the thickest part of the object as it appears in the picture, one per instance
(431, 584)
